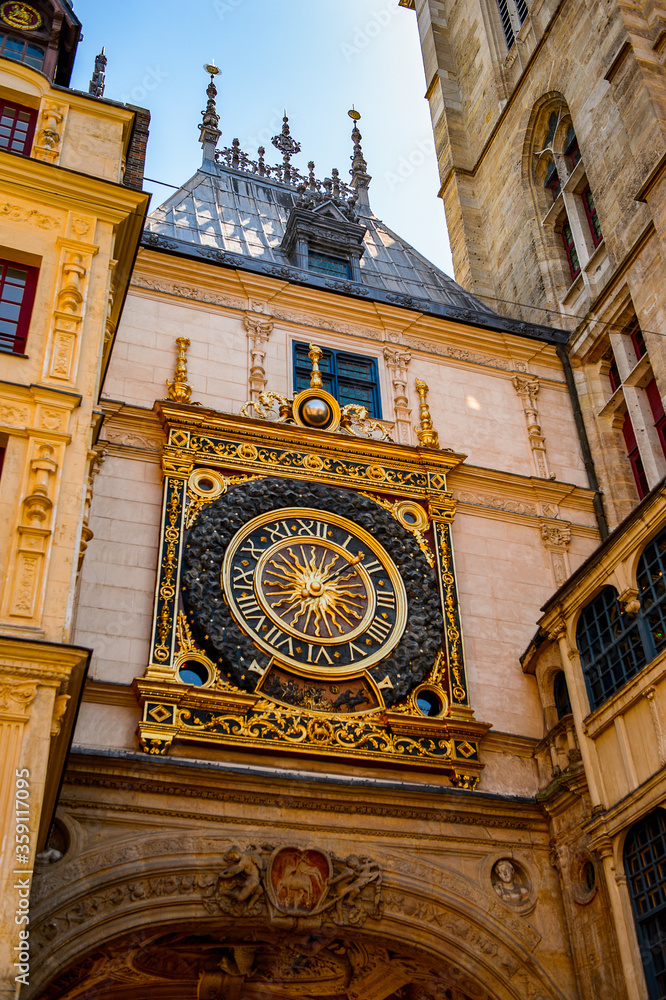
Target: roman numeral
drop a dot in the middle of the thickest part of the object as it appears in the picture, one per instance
(372, 567)
(379, 630)
(251, 609)
(322, 652)
(279, 639)
(316, 528)
(385, 600)
(243, 577)
(281, 530)
(252, 549)
(354, 649)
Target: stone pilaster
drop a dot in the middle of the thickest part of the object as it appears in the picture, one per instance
(527, 388)
(259, 329)
(397, 363)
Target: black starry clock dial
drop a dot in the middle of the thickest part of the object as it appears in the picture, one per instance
(317, 581)
(315, 590)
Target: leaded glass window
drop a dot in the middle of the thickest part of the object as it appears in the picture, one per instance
(652, 589)
(645, 867)
(610, 646)
(336, 266)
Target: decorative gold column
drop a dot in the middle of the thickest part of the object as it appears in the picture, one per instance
(180, 390)
(428, 437)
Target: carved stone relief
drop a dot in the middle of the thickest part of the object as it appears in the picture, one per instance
(527, 388)
(259, 328)
(397, 363)
(557, 538)
(510, 882)
(50, 129)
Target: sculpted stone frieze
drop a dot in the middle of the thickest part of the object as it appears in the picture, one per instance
(460, 354)
(497, 503)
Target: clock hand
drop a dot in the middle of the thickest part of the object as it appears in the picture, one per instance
(352, 562)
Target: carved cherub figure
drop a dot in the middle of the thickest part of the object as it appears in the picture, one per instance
(249, 864)
(505, 884)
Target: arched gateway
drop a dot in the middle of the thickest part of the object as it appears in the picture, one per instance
(208, 918)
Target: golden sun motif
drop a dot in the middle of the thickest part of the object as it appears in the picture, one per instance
(316, 590)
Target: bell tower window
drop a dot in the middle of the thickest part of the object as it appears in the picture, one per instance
(513, 14)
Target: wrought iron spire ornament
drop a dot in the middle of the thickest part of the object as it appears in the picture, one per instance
(360, 178)
(288, 146)
(209, 133)
(180, 390)
(428, 438)
(96, 87)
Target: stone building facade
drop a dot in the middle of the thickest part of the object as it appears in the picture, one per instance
(548, 121)
(70, 228)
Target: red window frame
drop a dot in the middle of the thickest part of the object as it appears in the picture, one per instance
(12, 142)
(573, 152)
(658, 414)
(14, 340)
(614, 376)
(635, 458)
(570, 249)
(592, 217)
(637, 341)
(552, 181)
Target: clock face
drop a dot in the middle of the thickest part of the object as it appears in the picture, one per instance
(315, 591)
(287, 583)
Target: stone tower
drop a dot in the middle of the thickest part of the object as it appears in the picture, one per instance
(549, 128)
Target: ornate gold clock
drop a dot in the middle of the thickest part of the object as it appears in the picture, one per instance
(315, 590)
(306, 598)
(277, 587)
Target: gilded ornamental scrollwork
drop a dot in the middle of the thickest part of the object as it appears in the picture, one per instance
(261, 520)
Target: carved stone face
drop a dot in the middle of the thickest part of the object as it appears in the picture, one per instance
(505, 871)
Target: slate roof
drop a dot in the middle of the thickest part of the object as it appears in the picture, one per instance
(237, 219)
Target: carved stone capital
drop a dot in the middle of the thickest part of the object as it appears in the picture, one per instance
(16, 696)
(629, 601)
(556, 535)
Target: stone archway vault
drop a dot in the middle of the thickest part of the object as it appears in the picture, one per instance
(398, 928)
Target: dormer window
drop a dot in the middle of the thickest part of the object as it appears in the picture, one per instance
(23, 51)
(336, 266)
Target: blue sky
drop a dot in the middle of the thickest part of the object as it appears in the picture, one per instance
(313, 57)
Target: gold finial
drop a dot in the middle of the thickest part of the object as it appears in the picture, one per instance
(426, 435)
(315, 355)
(180, 389)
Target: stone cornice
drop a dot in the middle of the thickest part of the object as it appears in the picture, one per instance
(264, 788)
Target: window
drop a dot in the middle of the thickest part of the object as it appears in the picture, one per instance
(657, 407)
(336, 266)
(652, 590)
(645, 867)
(571, 148)
(636, 335)
(22, 51)
(635, 457)
(513, 14)
(614, 375)
(570, 249)
(552, 180)
(17, 127)
(348, 377)
(17, 294)
(591, 213)
(561, 695)
(610, 646)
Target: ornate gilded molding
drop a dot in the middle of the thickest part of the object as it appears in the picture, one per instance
(180, 390)
(427, 436)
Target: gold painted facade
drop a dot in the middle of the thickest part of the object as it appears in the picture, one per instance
(65, 211)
